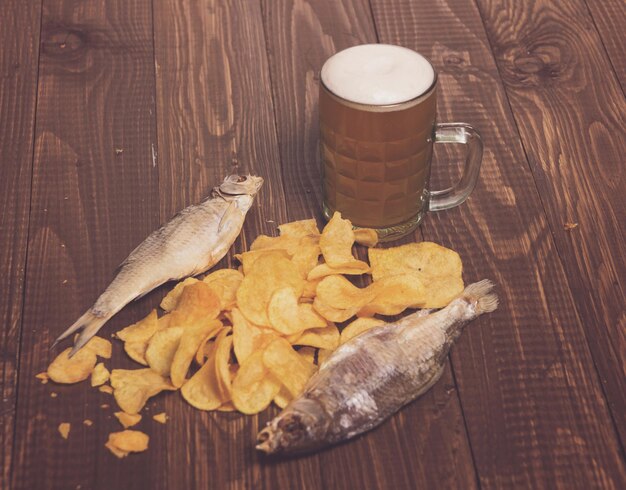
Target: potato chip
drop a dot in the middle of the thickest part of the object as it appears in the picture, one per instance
(248, 259)
(105, 389)
(64, 429)
(301, 242)
(338, 292)
(78, 368)
(100, 347)
(198, 300)
(142, 330)
(127, 441)
(287, 317)
(133, 387)
(248, 338)
(162, 348)
(438, 268)
(306, 255)
(336, 244)
(136, 336)
(188, 346)
(366, 237)
(223, 346)
(396, 293)
(161, 418)
(170, 301)
(291, 369)
(334, 314)
(204, 348)
(226, 407)
(322, 338)
(310, 288)
(357, 327)
(283, 397)
(269, 273)
(99, 375)
(118, 453)
(127, 419)
(322, 355)
(337, 298)
(322, 270)
(202, 390)
(254, 387)
(299, 228)
(308, 353)
(225, 283)
(164, 321)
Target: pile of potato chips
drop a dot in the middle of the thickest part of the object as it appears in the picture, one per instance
(242, 339)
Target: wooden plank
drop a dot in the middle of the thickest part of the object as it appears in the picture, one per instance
(216, 117)
(18, 95)
(532, 400)
(425, 445)
(571, 114)
(609, 17)
(91, 205)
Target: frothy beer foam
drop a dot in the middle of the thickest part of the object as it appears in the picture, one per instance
(378, 74)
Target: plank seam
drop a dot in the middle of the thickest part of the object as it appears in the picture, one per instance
(598, 376)
(604, 48)
(465, 425)
(419, 234)
(271, 80)
(30, 207)
(276, 130)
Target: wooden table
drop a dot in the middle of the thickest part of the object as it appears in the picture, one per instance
(115, 114)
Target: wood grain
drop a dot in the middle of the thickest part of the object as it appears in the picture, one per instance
(609, 17)
(216, 117)
(568, 106)
(425, 445)
(532, 400)
(90, 207)
(18, 94)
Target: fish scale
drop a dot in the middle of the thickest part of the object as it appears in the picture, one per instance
(372, 376)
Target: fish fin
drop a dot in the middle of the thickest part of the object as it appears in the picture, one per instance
(232, 207)
(479, 293)
(89, 324)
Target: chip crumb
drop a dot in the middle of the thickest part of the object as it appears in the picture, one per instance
(127, 419)
(119, 151)
(160, 417)
(104, 405)
(106, 389)
(53, 394)
(88, 422)
(64, 429)
(570, 226)
(127, 441)
(99, 375)
(43, 377)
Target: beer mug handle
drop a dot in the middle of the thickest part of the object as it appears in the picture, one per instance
(466, 135)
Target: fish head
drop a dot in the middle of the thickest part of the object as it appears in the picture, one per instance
(240, 185)
(302, 426)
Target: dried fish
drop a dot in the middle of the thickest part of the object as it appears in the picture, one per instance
(190, 243)
(373, 375)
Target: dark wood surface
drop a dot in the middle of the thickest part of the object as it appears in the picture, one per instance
(534, 394)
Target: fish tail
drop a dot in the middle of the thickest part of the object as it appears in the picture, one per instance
(88, 324)
(480, 294)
